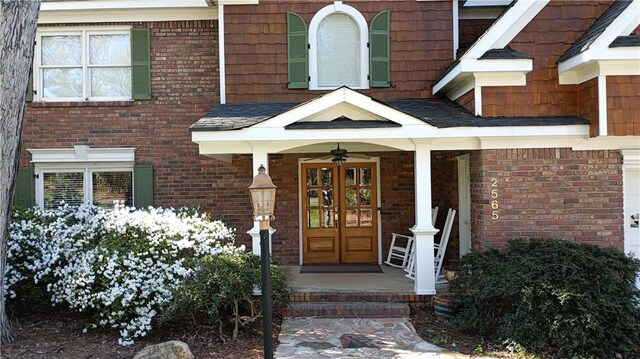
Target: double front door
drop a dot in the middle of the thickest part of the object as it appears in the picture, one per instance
(339, 213)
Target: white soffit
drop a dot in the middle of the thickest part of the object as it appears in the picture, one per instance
(496, 37)
(88, 11)
(600, 59)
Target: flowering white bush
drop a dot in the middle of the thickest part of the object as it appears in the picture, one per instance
(121, 264)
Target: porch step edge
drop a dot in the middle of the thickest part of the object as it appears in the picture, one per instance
(370, 297)
(347, 310)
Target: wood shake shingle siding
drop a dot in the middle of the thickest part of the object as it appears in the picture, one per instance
(256, 48)
(623, 107)
(545, 38)
(588, 104)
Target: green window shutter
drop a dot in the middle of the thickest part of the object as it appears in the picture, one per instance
(140, 64)
(25, 185)
(379, 65)
(142, 185)
(29, 96)
(298, 54)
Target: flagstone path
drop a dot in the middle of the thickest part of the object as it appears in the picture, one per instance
(321, 338)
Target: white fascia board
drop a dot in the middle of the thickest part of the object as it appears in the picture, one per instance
(472, 3)
(496, 65)
(127, 15)
(458, 88)
(82, 154)
(500, 79)
(609, 143)
(617, 53)
(507, 27)
(119, 4)
(336, 99)
(592, 69)
(238, 2)
(344, 109)
(623, 25)
(480, 13)
(447, 78)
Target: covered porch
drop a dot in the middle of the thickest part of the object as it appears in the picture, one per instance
(293, 141)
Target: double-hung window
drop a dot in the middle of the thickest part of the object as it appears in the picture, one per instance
(91, 64)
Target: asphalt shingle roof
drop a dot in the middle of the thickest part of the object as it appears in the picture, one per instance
(440, 113)
(626, 41)
(506, 53)
(598, 27)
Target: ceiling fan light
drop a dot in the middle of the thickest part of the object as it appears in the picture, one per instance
(338, 161)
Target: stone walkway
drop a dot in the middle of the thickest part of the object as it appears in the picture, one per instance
(320, 338)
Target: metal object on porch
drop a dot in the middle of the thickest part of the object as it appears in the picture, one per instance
(339, 156)
(263, 196)
(440, 249)
(401, 250)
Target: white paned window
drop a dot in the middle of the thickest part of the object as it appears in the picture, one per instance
(98, 185)
(77, 65)
(338, 53)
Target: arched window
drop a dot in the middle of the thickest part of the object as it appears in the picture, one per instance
(338, 54)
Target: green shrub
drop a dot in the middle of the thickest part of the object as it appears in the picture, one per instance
(552, 297)
(221, 290)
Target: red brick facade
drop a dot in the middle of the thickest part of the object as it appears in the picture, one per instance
(572, 195)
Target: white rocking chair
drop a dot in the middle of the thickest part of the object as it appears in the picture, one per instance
(399, 251)
(440, 249)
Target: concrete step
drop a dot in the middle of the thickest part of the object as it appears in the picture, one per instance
(347, 309)
(370, 297)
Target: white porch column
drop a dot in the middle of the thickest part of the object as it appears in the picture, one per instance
(423, 230)
(260, 157)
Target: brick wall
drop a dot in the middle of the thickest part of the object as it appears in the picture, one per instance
(571, 195)
(623, 107)
(545, 38)
(256, 44)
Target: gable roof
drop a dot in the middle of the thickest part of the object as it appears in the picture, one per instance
(607, 18)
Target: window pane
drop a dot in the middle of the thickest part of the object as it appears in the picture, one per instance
(109, 50)
(313, 218)
(65, 186)
(66, 82)
(365, 176)
(365, 218)
(111, 82)
(365, 197)
(61, 50)
(352, 200)
(351, 218)
(112, 186)
(312, 177)
(338, 51)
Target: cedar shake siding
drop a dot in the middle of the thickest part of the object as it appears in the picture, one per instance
(588, 104)
(256, 44)
(545, 38)
(468, 101)
(572, 195)
(470, 30)
(623, 107)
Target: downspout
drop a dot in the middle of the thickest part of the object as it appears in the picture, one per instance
(221, 62)
(456, 31)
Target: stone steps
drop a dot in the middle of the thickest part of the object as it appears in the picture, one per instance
(348, 309)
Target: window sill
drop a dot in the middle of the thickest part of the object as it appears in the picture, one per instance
(122, 103)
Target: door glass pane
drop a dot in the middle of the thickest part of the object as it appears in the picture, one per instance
(366, 218)
(313, 219)
(352, 200)
(327, 177)
(328, 218)
(327, 197)
(312, 198)
(312, 177)
(350, 176)
(351, 218)
(63, 186)
(365, 176)
(365, 197)
(112, 186)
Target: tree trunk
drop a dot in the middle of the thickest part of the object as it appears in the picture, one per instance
(18, 21)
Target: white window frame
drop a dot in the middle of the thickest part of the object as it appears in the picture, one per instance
(84, 33)
(80, 159)
(338, 8)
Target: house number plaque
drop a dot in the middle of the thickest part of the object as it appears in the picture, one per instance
(495, 205)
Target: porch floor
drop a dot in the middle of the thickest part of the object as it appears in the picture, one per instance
(392, 280)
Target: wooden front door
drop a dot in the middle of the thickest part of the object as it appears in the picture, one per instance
(339, 206)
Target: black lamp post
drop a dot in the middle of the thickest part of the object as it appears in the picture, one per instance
(263, 196)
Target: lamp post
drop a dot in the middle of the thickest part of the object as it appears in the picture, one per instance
(263, 195)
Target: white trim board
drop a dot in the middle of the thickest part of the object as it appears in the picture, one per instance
(79, 154)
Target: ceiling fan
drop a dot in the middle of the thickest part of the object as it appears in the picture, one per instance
(339, 156)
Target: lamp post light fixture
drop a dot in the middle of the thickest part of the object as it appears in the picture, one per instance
(263, 196)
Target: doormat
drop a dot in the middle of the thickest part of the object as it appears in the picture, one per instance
(341, 268)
